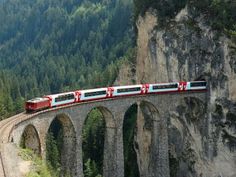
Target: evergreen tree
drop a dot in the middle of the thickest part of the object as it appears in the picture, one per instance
(53, 155)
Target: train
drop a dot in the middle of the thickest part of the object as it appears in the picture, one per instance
(66, 98)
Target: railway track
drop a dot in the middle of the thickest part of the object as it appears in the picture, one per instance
(7, 124)
(6, 127)
(2, 169)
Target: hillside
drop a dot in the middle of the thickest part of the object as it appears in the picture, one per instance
(53, 46)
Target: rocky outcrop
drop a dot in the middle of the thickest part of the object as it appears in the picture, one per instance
(202, 140)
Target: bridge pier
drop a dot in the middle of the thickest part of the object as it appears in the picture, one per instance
(160, 156)
(152, 141)
(79, 159)
(113, 148)
(113, 153)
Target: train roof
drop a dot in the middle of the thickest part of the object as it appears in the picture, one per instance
(59, 94)
(36, 100)
(166, 83)
(128, 86)
(93, 90)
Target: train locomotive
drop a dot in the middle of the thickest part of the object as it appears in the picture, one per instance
(61, 99)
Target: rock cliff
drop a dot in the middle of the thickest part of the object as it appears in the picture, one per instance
(202, 139)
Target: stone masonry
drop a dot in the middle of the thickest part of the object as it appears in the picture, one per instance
(155, 108)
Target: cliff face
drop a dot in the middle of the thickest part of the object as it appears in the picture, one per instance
(202, 139)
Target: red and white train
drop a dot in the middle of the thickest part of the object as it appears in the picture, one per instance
(77, 96)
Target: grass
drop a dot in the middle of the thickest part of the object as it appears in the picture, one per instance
(39, 167)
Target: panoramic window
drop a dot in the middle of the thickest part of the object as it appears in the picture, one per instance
(197, 84)
(134, 89)
(165, 86)
(65, 97)
(95, 93)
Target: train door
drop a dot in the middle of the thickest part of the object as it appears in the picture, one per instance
(145, 88)
(182, 86)
(77, 96)
(110, 91)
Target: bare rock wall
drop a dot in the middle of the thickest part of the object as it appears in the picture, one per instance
(202, 140)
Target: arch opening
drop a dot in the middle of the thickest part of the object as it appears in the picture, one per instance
(129, 132)
(30, 139)
(61, 146)
(93, 135)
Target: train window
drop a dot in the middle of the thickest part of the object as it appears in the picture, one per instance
(64, 97)
(165, 86)
(197, 84)
(134, 89)
(95, 93)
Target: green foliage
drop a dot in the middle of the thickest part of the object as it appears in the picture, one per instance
(54, 147)
(54, 142)
(88, 8)
(231, 32)
(54, 46)
(3, 111)
(91, 169)
(53, 155)
(9, 92)
(221, 13)
(93, 143)
(166, 9)
(39, 167)
(174, 165)
(131, 167)
(224, 14)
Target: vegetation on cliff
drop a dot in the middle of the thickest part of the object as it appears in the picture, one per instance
(194, 44)
(221, 14)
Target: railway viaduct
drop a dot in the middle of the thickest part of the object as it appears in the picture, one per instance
(154, 109)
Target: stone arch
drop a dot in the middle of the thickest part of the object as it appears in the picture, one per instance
(109, 165)
(150, 109)
(30, 139)
(68, 147)
(147, 105)
(131, 167)
(107, 116)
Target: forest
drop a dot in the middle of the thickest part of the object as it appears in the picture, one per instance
(49, 46)
(54, 46)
